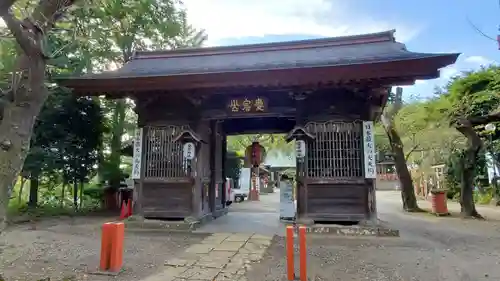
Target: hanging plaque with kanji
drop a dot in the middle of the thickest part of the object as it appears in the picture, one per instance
(137, 156)
(247, 105)
(369, 150)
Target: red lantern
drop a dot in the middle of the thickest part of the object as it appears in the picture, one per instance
(254, 155)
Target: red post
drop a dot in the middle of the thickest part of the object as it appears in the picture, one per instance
(129, 207)
(302, 253)
(106, 238)
(116, 257)
(290, 266)
(124, 211)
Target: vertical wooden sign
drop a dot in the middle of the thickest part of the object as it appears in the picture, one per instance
(137, 156)
(369, 150)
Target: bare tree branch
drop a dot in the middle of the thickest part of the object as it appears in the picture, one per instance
(479, 30)
(481, 120)
(411, 151)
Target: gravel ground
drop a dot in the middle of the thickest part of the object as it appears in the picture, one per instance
(429, 249)
(70, 248)
(373, 259)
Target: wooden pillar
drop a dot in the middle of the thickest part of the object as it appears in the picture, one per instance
(195, 166)
(224, 154)
(301, 188)
(212, 163)
(301, 163)
(219, 156)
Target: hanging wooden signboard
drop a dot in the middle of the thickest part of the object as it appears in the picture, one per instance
(247, 105)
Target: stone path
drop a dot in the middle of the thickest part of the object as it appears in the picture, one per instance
(219, 257)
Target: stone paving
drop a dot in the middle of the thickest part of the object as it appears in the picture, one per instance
(219, 257)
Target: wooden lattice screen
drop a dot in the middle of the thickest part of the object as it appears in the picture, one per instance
(163, 156)
(336, 152)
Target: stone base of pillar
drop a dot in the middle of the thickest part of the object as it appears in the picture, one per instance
(253, 195)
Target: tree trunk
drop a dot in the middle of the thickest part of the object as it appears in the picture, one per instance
(63, 195)
(16, 127)
(27, 93)
(118, 123)
(75, 194)
(12, 187)
(20, 193)
(407, 190)
(468, 163)
(81, 194)
(33, 196)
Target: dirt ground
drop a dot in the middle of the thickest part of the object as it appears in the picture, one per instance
(430, 249)
(69, 248)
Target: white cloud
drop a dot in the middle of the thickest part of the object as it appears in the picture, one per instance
(448, 72)
(478, 60)
(224, 19)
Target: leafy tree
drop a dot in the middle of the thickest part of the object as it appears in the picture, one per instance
(233, 165)
(271, 142)
(474, 100)
(26, 93)
(79, 148)
(114, 31)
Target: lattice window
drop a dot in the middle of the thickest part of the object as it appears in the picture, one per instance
(336, 152)
(163, 156)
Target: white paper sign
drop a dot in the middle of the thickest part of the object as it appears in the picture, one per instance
(137, 156)
(188, 151)
(300, 148)
(369, 150)
(287, 204)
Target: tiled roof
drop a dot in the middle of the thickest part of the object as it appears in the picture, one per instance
(358, 49)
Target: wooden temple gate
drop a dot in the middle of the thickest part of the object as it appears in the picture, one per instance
(325, 92)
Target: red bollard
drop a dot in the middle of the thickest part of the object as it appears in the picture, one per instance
(129, 207)
(106, 239)
(302, 253)
(113, 234)
(290, 266)
(116, 257)
(124, 211)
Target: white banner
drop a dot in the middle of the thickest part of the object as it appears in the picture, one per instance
(137, 158)
(369, 150)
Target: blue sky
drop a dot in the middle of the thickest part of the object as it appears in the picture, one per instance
(435, 26)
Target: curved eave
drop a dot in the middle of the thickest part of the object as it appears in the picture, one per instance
(408, 70)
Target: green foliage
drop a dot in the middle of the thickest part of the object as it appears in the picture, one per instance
(233, 165)
(454, 172)
(474, 93)
(271, 142)
(109, 34)
(73, 136)
(382, 143)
